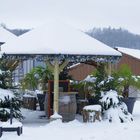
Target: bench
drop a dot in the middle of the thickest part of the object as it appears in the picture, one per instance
(11, 125)
(10, 129)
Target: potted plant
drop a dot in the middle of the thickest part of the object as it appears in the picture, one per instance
(102, 83)
(92, 85)
(120, 81)
(126, 79)
(38, 76)
(113, 109)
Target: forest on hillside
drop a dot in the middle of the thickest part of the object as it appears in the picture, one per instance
(17, 32)
(116, 37)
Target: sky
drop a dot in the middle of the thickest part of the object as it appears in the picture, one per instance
(83, 14)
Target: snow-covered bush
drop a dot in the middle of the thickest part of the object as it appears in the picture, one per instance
(5, 75)
(7, 97)
(102, 82)
(8, 100)
(113, 108)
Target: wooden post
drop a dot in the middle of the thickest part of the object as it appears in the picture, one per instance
(109, 68)
(56, 85)
(56, 70)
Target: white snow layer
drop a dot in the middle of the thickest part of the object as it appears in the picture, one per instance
(65, 99)
(92, 108)
(132, 52)
(5, 93)
(76, 130)
(74, 65)
(89, 78)
(56, 116)
(6, 35)
(112, 94)
(114, 115)
(15, 123)
(57, 38)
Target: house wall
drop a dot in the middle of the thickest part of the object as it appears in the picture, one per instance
(81, 71)
(132, 62)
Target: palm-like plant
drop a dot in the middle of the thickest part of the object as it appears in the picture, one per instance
(29, 81)
(126, 79)
(38, 75)
(45, 74)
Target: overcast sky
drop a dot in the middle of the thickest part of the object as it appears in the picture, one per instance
(83, 14)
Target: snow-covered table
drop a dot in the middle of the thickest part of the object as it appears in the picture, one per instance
(91, 113)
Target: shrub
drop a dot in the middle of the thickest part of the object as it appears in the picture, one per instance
(113, 108)
(6, 103)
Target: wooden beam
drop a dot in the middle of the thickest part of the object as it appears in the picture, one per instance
(50, 66)
(63, 65)
(56, 85)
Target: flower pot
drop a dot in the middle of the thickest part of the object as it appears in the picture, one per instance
(94, 100)
(130, 101)
(41, 99)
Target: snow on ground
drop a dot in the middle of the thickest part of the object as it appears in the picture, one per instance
(33, 118)
(76, 130)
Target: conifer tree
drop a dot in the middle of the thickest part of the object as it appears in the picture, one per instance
(5, 76)
(7, 102)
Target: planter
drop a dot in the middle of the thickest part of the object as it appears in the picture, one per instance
(94, 101)
(41, 99)
(130, 103)
(29, 102)
(67, 106)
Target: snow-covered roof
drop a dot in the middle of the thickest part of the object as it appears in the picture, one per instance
(89, 78)
(132, 52)
(57, 38)
(74, 65)
(6, 35)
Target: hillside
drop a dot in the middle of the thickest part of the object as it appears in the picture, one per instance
(116, 37)
(18, 32)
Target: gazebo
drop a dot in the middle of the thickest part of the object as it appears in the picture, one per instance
(58, 44)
